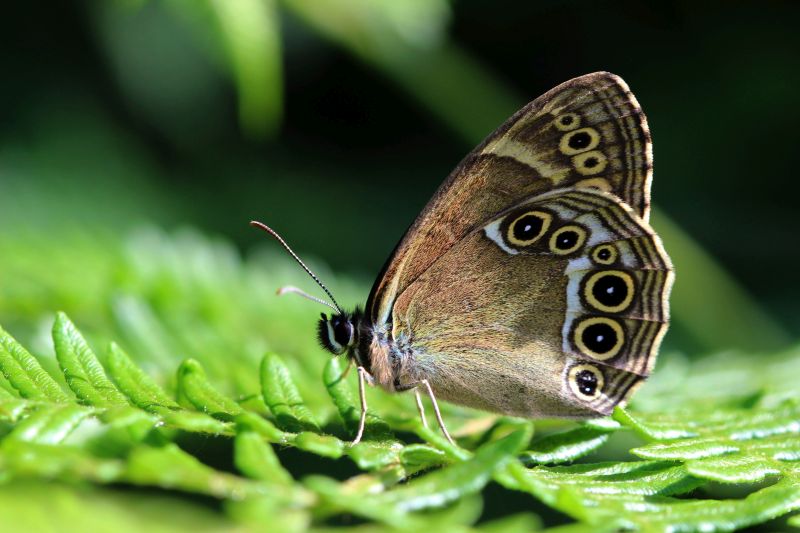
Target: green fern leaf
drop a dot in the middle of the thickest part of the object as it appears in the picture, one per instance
(197, 392)
(122, 427)
(137, 386)
(283, 398)
(25, 374)
(83, 372)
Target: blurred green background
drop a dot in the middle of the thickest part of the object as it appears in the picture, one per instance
(335, 120)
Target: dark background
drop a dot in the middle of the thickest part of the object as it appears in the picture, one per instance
(117, 114)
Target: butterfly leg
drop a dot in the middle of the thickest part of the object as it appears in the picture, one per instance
(420, 408)
(436, 411)
(362, 373)
(427, 385)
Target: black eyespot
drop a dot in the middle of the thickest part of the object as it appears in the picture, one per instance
(591, 162)
(586, 382)
(566, 240)
(579, 140)
(610, 290)
(605, 254)
(599, 338)
(566, 120)
(528, 227)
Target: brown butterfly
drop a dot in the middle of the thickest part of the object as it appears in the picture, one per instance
(531, 284)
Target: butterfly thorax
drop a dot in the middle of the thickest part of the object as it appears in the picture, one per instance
(387, 357)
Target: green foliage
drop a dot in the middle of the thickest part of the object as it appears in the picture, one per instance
(711, 445)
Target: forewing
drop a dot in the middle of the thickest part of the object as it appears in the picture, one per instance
(586, 133)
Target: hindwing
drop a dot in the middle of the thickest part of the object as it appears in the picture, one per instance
(555, 306)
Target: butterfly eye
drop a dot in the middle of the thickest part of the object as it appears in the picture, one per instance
(599, 337)
(343, 333)
(567, 240)
(528, 228)
(589, 163)
(567, 121)
(586, 381)
(605, 254)
(336, 334)
(578, 141)
(609, 291)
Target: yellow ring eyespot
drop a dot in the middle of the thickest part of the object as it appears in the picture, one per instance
(528, 228)
(600, 184)
(590, 163)
(599, 337)
(605, 254)
(586, 381)
(609, 291)
(567, 239)
(567, 121)
(579, 141)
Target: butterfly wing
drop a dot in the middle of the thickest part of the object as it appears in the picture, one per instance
(587, 132)
(554, 307)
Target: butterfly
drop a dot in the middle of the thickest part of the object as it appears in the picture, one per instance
(531, 284)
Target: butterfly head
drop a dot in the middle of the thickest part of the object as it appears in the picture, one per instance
(337, 334)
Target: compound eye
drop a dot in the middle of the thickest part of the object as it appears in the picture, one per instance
(336, 334)
(343, 332)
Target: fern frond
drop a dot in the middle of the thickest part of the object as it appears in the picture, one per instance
(106, 421)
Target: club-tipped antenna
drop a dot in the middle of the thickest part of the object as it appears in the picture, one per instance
(286, 247)
(304, 294)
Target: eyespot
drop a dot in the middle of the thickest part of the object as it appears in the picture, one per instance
(600, 184)
(586, 381)
(578, 141)
(609, 291)
(600, 337)
(567, 239)
(567, 121)
(528, 228)
(590, 163)
(605, 254)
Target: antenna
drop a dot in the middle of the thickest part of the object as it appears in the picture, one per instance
(335, 305)
(304, 294)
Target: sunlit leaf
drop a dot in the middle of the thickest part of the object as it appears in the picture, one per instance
(122, 427)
